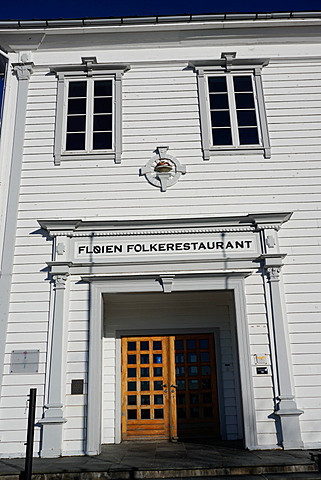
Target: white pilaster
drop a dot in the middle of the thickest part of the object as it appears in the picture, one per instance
(287, 408)
(53, 419)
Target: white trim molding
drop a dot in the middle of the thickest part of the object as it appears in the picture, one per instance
(23, 72)
(53, 419)
(147, 283)
(229, 65)
(89, 68)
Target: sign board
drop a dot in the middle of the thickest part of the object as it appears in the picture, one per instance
(24, 361)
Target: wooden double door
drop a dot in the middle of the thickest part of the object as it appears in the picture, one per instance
(169, 387)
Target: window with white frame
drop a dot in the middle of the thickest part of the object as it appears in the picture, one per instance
(232, 110)
(88, 119)
(89, 116)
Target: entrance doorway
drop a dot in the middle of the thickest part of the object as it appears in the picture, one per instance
(169, 387)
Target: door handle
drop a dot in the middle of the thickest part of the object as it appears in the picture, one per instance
(174, 386)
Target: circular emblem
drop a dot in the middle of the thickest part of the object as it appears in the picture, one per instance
(163, 170)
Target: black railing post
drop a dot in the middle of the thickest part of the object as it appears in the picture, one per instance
(30, 434)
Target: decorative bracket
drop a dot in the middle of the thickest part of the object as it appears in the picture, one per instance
(228, 57)
(167, 282)
(163, 170)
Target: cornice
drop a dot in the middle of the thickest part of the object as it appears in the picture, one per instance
(163, 226)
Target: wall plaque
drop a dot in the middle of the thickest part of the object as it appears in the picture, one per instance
(24, 361)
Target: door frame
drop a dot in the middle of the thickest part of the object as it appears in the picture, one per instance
(151, 283)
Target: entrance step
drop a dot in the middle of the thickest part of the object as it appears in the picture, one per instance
(172, 461)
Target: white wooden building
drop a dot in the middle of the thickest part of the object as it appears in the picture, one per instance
(160, 231)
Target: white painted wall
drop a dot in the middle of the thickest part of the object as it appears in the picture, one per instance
(160, 106)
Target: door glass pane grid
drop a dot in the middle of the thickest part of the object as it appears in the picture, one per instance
(194, 377)
(145, 397)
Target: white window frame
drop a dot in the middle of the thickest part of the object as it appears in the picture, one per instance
(229, 66)
(89, 70)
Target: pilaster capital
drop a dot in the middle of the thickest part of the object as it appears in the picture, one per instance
(273, 263)
(60, 280)
(23, 70)
(273, 273)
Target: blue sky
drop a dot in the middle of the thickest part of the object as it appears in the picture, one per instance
(45, 9)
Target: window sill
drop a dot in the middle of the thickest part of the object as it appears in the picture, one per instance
(87, 156)
(257, 150)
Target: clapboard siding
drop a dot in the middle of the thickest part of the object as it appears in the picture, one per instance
(160, 106)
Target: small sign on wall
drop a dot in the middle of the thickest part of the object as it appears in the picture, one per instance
(24, 361)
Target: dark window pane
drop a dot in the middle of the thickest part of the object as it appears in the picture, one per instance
(204, 343)
(179, 344)
(180, 371)
(131, 346)
(195, 412)
(248, 136)
(145, 400)
(102, 141)
(242, 84)
(145, 414)
(206, 370)
(157, 345)
(158, 385)
(206, 383)
(181, 399)
(144, 386)
(75, 141)
(220, 119)
(131, 386)
(180, 384)
(222, 136)
(244, 100)
(132, 414)
(131, 359)
(77, 89)
(205, 357)
(158, 371)
(246, 118)
(217, 84)
(192, 370)
(158, 400)
(131, 400)
(144, 372)
(207, 398)
(103, 88)
(192, 358)
(144, 358)
(191, 344)
(157, 358)
(131, 373)
(219, 101)
(208, 412)
(181, 413)
(158, 413)
(193, 398)
(193, 384)
(179, 358)
(102, 123)
(102, 105)
(144, 345)
(76, 124)
(76, 106)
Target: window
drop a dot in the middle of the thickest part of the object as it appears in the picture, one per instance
(232, 110)
(89, 116)
(88, 120)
